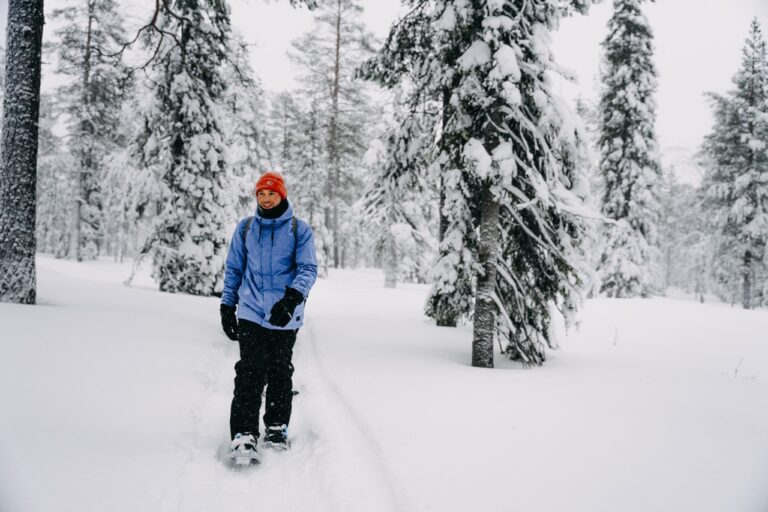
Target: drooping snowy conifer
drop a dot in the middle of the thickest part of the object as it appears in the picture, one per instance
(131, 192)
(407, 59)
(182, 144)
(507, 156)
(91, 30)
(18, 154)
(628, 155)
(737, 180)
(397, 205)
(245, 133)
(56, 185)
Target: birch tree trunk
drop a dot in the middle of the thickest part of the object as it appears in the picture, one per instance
(18, 163)
(485, 307)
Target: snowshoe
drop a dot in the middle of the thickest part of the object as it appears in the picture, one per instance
(243, 450)
(276, 437)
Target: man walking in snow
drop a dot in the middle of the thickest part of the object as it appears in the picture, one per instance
(270, 268)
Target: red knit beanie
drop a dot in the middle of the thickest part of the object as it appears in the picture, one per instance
(272, 181)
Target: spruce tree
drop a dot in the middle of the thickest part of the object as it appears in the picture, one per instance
(92, 99)
(685, 238)
(245, 135)
(508, 160)
(737, 180)
(301, 150)
(406, 61)
(131, 192)
(56, 185)
(397, 206)
(628, 155)
(183, 144)
(18, 154)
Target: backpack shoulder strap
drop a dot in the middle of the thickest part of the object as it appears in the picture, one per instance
(248, 223)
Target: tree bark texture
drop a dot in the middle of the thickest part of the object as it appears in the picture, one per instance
(85, 175)
(443, 220)
(18, 164)
(390, 256)
(334, 171)
(485, 307)
(746, 289)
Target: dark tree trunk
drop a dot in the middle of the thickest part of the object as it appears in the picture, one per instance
(485, 307)
(85, 175)
(334, 170)
(746, 289)
(18, 163)
(443, 220)
(390, 255)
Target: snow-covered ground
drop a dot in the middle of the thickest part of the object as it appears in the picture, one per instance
(117, 399)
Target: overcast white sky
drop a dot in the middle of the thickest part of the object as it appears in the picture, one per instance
(698, 45)
(698, 49)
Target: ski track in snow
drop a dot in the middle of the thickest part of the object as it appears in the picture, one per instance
(323, 469)
(378, 465)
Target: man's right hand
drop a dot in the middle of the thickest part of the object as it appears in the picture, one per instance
(229, 321)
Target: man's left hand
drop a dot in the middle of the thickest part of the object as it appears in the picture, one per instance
(282, 311)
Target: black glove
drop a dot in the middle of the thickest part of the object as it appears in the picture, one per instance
(229, 321)
(282, 311)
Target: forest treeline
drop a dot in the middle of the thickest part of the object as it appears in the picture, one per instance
(440, 154)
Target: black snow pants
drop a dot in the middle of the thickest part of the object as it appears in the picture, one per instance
(265, 360)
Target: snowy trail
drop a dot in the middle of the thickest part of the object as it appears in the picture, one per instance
(117, 399)
(326, 469)
(354, 434)
(147, 425)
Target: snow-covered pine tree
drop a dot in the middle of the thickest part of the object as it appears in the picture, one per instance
(530, 150)
(18, 153)
(684, 237)
(397, 207)
(296, 138)
(286, 119)
(407, 58)
(244, 128)
(328, 57)
(182, 144)
(737, 178)
(628, 155)
(89, 31)
(55, 185)
(131, 193)
(588, 113)
(508, 155)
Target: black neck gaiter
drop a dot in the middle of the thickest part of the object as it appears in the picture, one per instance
(274, 212)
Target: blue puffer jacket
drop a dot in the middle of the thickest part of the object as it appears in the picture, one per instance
(277, 259)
